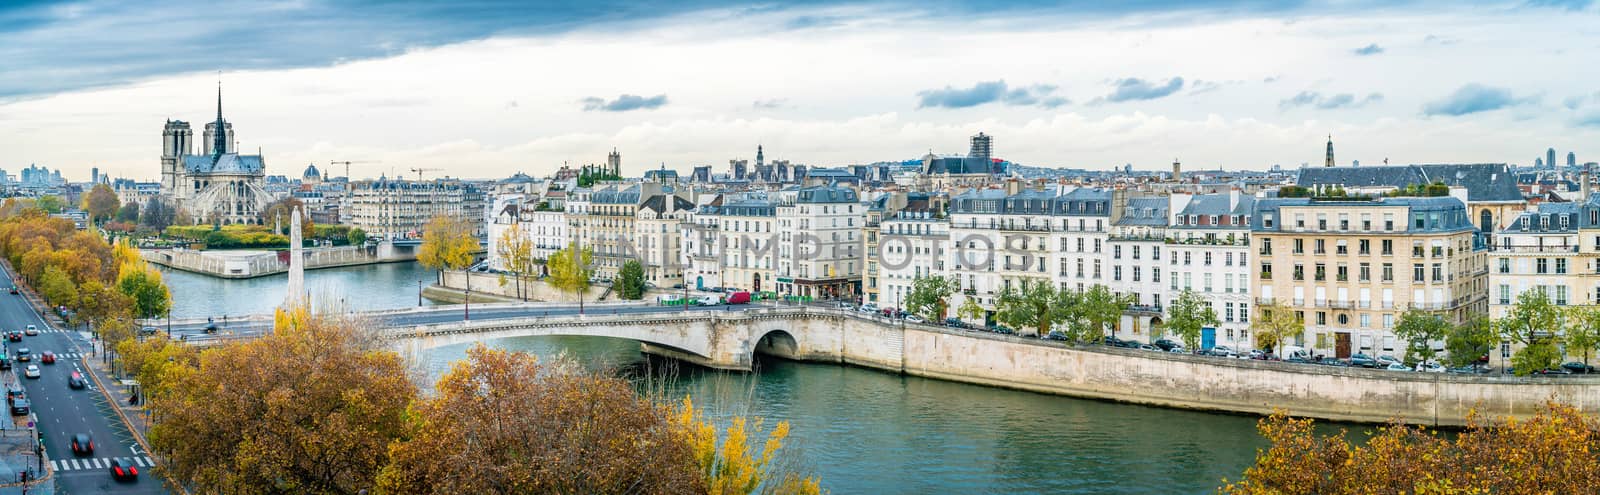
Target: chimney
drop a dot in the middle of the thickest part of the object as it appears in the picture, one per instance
(1013, 186)
(1583, 194)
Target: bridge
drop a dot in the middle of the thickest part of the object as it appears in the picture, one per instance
(722, 337)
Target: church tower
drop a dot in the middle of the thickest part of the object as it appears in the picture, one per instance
(1329, 161)
(175, 142)
(761, 159)
(614, 162)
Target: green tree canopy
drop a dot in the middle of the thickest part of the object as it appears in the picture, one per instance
(144, 287)
(57, 287)
(630, 280)
(1468, 342)
(571, 268)
(157, 215)
(930, 296)
(1420, 329)
(1098, 308)
(1583, 331)
(1535, 323)
(50, 204)
(1275, 324)
(128, 213)
(1187, 315)
(1027, 306)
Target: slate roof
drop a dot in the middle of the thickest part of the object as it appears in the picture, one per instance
(658, 203)
(1483, 181)
(1440, 214)
(1205, 205)
(1080, 201)
(825, 194)
(1145, 211)
(227, 163)
(1547, 220)
(614, 196)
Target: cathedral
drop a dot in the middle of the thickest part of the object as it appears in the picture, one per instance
(217, 186)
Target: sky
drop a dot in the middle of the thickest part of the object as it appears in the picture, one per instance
(487, 88)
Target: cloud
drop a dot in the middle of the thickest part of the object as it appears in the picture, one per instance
(1328, 102)
(1443, 40)
(1041, 95)
(623, 103)
(1588, 119)
(770, 103)
(1568, 5)
(1372, 49)
(1472, 98)
(1133, 88)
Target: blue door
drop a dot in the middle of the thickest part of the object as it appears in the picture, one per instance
(1208, 338)
(699, 283)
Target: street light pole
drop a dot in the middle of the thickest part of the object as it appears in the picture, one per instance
(419, 293)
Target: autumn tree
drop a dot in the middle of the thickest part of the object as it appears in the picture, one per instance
(1535, 323)
(930, 296)
(1275, 324)
(1420, 329)
(534, 429)
(630, 280)
(570, 270)
(1187, 315)
(144, 287)
(1552, 452)
(732, 467)
(515, 250)
(281, 212)
(447, 244)
(56, 287)
(310, 407)
(101, 203)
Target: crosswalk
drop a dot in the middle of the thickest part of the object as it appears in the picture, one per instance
(61, 355)
(95, 463)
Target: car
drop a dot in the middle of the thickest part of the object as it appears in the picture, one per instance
(47, 357)
(1362, 360)
(1553, 371)
(1577, 367)
(1431, 367)
(13, 289)
(1166, 344)
(76, 381)
(1054, 335)
(1111, 341)
(211, 328)
(32, 371)
(1148, 347)
(1471, 369)
(1328, 361)
(24, 354)
(123, 469)
(82, 445)
(1397, 367)
(19, 406)
(1004, 330)
(5, 362)
(915, 319)
(1386, 360)
(954, 322)
(1223, 351)
(1257, 354)
(707, 301)
(868, 308)
(14, 336)
(149, 331)
(31, 331)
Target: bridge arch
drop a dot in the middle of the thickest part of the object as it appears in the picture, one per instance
(778, 343)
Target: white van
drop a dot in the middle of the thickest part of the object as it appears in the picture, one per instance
(1294, 352)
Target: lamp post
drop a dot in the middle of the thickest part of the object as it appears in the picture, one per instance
(419, 293)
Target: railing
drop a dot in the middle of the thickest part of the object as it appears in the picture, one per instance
(1138, 237)
(1533, 249)
(1339, 304)
(1322, 303)
(1299, 301)
(1264, 300)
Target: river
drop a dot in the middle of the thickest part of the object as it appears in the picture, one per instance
(861, 431)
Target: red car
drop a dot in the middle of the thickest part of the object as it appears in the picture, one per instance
(740, 297)
(48, 357)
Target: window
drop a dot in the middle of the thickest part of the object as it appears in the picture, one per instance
(1136, 252)
(1299, 271)
(1206, 279)
(1116, 252)
(1366, 320)
(1561, 265)
(1505, 265)
(1388, 272)
(1187, 256)
(1322, 272)
(1228, 312)
(1155, 275)
(1322, 318)
(1320, 249)
(1227, 259)
(1341, 272)
(1155, 253)
(1388, 321)
(1299, 246)
(1438, 272)
(1266, 220)
(1419, 272)
(1341, 248)
(1505, 294)
(1561, 295)
(1541, 265)
(1135, 273)
(1388, 247)
(1266, 271)
(1208, 258)
(1266, 246)
(1364, 272)
(1364, 247)
(1244, 313)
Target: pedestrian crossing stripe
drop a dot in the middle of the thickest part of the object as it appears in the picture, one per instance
(95, 463)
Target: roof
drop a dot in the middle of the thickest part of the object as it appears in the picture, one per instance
(613, 195)
(1150, 211)
(825, 194)
(1439, 214)
(1546, 220)
(658, 204)
(1221, 204)
(1483, 181)
(1077, 202)
(227, 163)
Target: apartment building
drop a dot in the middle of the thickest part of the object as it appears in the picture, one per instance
(914, 243)
(701, 243)
(1351, 267)
(1138, 234)
(747, 242)
(820, 254)
(657, 241)
(1541, 250)
(398, 209)
(998, 238)
(606, 219)
(1208, 252)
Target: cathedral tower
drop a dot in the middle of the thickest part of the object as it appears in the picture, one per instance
(175, 142)
(1328, 162)
(614, 162)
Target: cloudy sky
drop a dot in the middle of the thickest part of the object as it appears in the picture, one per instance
(485, 88)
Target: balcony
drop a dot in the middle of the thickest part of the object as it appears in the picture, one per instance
(1138, 237)
(1144, 309)
(1339, 304)
(1364, 304)
(1322, 303)
(1299, 301)
(1264, 300)
(1533, 249)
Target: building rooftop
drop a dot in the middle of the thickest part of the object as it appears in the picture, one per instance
(1483, 181)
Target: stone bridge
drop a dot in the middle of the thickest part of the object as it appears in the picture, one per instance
(716, 339)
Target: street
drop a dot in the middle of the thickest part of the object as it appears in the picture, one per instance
(64, 412)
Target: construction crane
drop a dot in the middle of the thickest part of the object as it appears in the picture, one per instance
(419, 172)
(347, 166)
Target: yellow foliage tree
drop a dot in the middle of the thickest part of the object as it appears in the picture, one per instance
(731, 467)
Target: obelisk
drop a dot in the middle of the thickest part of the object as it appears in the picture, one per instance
(297, 264)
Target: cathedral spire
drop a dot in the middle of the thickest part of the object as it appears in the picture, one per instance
(1329, 160)
(219, 140)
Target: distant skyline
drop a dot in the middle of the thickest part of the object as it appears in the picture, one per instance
(489, 88)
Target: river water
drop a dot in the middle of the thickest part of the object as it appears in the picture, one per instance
(862, 431)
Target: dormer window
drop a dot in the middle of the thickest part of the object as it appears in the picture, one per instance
(1524, 223)
(1544, 222)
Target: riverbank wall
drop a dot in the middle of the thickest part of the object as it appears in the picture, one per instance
(240, 264)
(453, 284)
(1178, 380)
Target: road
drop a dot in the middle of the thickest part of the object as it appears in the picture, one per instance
(63, 412)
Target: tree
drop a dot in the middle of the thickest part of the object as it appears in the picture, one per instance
(532, 429)
(447, 244)
(1027, 306)
(515, 250)
(1583, 331)
(1535, 323)
(157, 215)
(128, 213)
(57, 287)
(1420, 329)
(1275, 324)
(280, 212)
(1470, 342)
(733, 468)
(630, 280)
(101, 203)
(144, 287)
(50, 204)
(357, 237)
(1187, 315)
(1099, 308)
(1551, 452)
(570, 270)
(930, 296)
(311, 407)
(970, 310)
